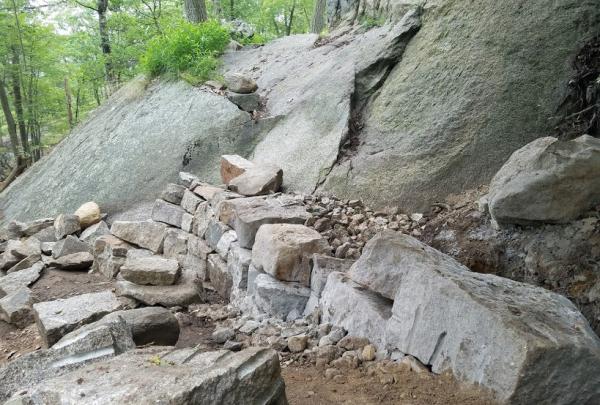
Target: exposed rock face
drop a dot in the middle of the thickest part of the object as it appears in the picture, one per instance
(249, 377)
(547, 181)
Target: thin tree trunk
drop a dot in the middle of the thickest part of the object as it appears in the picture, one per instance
(195, 11)
(217, 7)
(318, 22)
(69, 103)
(20, 161)
(288, 28)
(231, 13)
(77, 101)
(102, 8)
(18, 99)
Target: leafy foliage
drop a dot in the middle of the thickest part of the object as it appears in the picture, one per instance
(188, 49)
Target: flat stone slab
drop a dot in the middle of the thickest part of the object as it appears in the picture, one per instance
(278, 298)
(22, 278)
(15, 308)
(165, 295)
(81, 261)
(163, 375)
(173, 193)
(167, 213)
(149, 325)
(90, 234)
(69, 245)
(246, 215)
(95, 344)
(25, 263)
(55, 319)
(66, 224)
(258, 180)
(152, 270)
(145, 234)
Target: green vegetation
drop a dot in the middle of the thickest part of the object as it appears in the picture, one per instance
(188, 50)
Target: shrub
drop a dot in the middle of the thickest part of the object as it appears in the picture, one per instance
(189, 50)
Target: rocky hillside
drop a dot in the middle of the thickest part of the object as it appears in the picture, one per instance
(430, 102)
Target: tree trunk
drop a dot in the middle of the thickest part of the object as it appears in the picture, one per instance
(195, 11)
(69, 103)
(20, 160)
(18, 99)
(231, 12)
(318, 20)
(288, 28)
(102, 8)
(217, 9)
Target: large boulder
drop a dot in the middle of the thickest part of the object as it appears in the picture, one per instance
(164, 375)
(547, 181)
(485, 329)
(88, 214)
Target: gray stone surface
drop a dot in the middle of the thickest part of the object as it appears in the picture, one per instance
(152, 270)
(93, 232)
(219, 275)
(278, 298)
(284, 251)
(21, 249)
(22, 278)
(88, 214)
(238, 262)
(215, 230)
(71, 244)
(251, 376)
(247, 102)
(202, 217)
(187, 222)
(225, 242)
(145, 234)
(198, 247)
(66, 224)
(81, 261)
(186, 179)
(246, 215)
(110, 253)
(15, 308)
(167, 213)
(258, 180)
(176, 243)
(240, 83)
(47, 234)
(190, 201)
(55, 319)
(173, 193)
(363, 313)
(31, 369)
(182, 294)
(25, 263)
(322, 266)
(547, 181)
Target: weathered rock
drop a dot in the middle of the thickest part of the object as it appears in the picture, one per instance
(47, 234)
(369, 353)
(145, 234)
(21, 249)
(173, 193)
(221, 335)
(246, 215)
(207, 192)
(88, 214)
(214, 232)
(153, 270)
(32, 368)
(47, 247)
(176, 243)
(7, 260)
(190, 201)
(109, 255)
(322, 266)
(55, 319)
(26, 263)
(186, 179)
(219, 277)
(349, 342)
(233, 166)
(74, 262)
(19, 279)
(16, 229)
(547, 181)
(15, 307)
(335, 335)
(187, 222)
(258, 180)
(284, 251)
(198, 247)
(225, 242)
(247, 102)
(167, 213)
(363, 313)
(71, 244)
(248, 377)
(202, 217)
(182, 294)
(297, 344)
(66, 224)
(93, 232)
(150, 325)
(278, 298)
(239, 83)
(238, 262)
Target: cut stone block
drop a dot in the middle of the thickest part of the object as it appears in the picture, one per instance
(176, 243)
(15, 308)
(173, 193)
(81, 261)
(145, 234)
(190, 201)
(168, 296)
(233, 166)
(23, 278)
(285, 250)
(71, 244)
(198, 247)
(214, 232)
(238, 262)
(246, 215)
(204, 214)
(25, 263)
(186, 179)
(207, 191)
(109, 255)
(219, 276)
(167, 213)
(153, 270)
(258, 180)
(55, 319)
(225, 242)
(94, 232)
(322, 267)
(66, 224)
(187, 222)
(278, 298)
